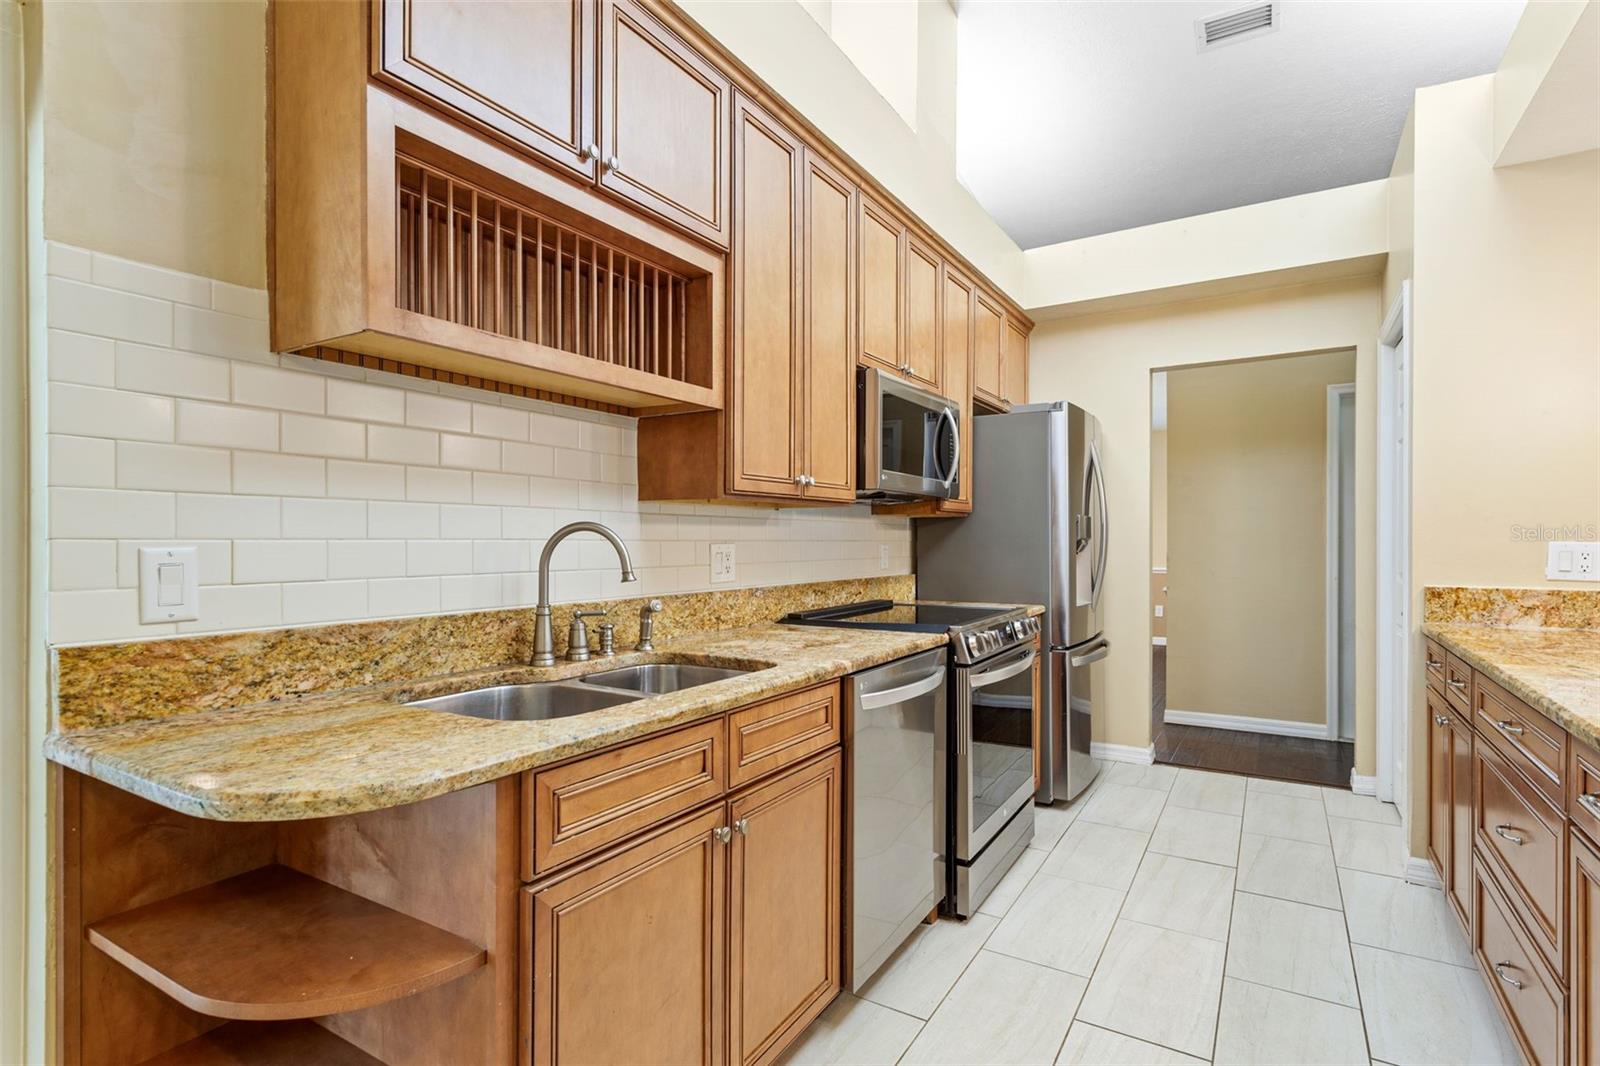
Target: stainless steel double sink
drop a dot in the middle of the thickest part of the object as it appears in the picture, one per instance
(543, 700)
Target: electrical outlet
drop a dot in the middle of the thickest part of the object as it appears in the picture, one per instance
(1572, 560)
(1161, 612)
(883, 557)
(722, 568)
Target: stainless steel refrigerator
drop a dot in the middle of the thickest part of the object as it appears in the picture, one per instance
(1037, 534)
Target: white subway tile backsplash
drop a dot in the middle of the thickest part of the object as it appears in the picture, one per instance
(318, 491)
(227, 426)
(129, 276)
(438, 412)
(258, 561)
(270, 386)
(83, 462)
(265, 474)
(110, 513)
(317, 518)
(82, 359)
(179, 467)
(94, 412)
(369, 403)
(332, 437)
(85, 308)
(397, 444)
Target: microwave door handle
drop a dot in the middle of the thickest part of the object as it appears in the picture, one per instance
(889, 697)
(995, 675)
(955, 455)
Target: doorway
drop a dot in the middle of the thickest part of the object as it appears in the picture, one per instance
(1252, 577)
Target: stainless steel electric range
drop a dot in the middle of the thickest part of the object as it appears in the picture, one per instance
(983, 742)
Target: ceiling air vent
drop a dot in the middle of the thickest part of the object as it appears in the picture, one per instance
(1240, 24)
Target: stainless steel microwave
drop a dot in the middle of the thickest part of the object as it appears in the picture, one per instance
(910, 444)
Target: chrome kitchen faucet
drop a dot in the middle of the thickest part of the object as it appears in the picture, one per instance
(544, 647)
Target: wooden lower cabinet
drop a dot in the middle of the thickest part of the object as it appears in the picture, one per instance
(713, 940)
(1450, 800)
(1583, 959)
(1439, 835)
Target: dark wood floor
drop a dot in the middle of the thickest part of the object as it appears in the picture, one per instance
(1314, 762)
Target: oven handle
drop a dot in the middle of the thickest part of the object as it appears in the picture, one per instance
(996, 674)
(889, 697)
(1094, 655)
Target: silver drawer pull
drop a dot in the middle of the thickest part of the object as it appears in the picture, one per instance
(1440, 719)
(1504, 832)
(1500, 969)
(1590, 801)
(1434, 664)
(1456, 683)
(1509, 729)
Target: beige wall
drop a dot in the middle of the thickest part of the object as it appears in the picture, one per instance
(1103, 362)
(1506, 345)
(1247, 529)
(155, 133)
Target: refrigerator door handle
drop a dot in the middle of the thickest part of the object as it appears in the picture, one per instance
(1097, 577)
(1094, 654)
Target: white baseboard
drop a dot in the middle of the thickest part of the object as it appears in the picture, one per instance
(1123, 753)
(1246, 724)
(1363, 786)
(1421, 872)
(1160, 642)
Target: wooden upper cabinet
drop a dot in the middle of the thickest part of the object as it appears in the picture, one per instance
(920, 314)
(767, 380)
(664, 122)
(1014, 363)
(957, 345)
(525, 72)
(627, 953)
(988, 326)
(880, 276)
(783, 914)
(829, 362)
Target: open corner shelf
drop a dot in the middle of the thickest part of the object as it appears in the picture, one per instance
(265, 1044)
(274, 944)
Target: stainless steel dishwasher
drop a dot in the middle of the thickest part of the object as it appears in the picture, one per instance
(896, 775)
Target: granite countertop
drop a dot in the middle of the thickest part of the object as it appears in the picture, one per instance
(1556, 671)
(360, 750)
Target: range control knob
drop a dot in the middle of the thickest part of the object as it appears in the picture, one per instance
(972, 643)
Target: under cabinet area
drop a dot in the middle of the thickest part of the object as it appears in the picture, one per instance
(1513, 820)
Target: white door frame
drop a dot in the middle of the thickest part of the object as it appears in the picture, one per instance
(1394, 554)
(1331, 567)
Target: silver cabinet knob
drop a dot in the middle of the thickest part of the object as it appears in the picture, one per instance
(591, 154)
(742, 827)
(1440, 719)
(722, 834)
(613, 163)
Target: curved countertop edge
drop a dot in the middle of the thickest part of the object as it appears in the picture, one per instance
(1554, 671)
(350, 752)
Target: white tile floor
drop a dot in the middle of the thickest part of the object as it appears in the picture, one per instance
(1177, 916)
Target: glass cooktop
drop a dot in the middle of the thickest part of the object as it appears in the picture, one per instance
(886, 614)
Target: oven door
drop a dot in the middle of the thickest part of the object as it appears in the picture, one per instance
(993, 729)
(910, 442)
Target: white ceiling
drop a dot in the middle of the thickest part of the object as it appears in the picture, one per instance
(1086, 117)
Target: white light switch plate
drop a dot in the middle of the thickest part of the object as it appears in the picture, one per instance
(722, 568)
(883, 557)
(1572, 560)
(169, 585)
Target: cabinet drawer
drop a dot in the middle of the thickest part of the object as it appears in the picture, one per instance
(781, 732)
(1584, 775)
(1433, 660)
(1526, 837)
(1529, 741)
(575, 809)
(1533, 1003)
(1457, 683)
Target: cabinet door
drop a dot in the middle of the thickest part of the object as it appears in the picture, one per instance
(627, 954)
(784, 897)
(523, 71)
(1461, 815)
(829, 363)
(1439, 808)
(1014, 363)
(957, 343)
(1583, 998)
(765, 399)
(988, 323)
(664, 122)
(880, 278)
(920, 314)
